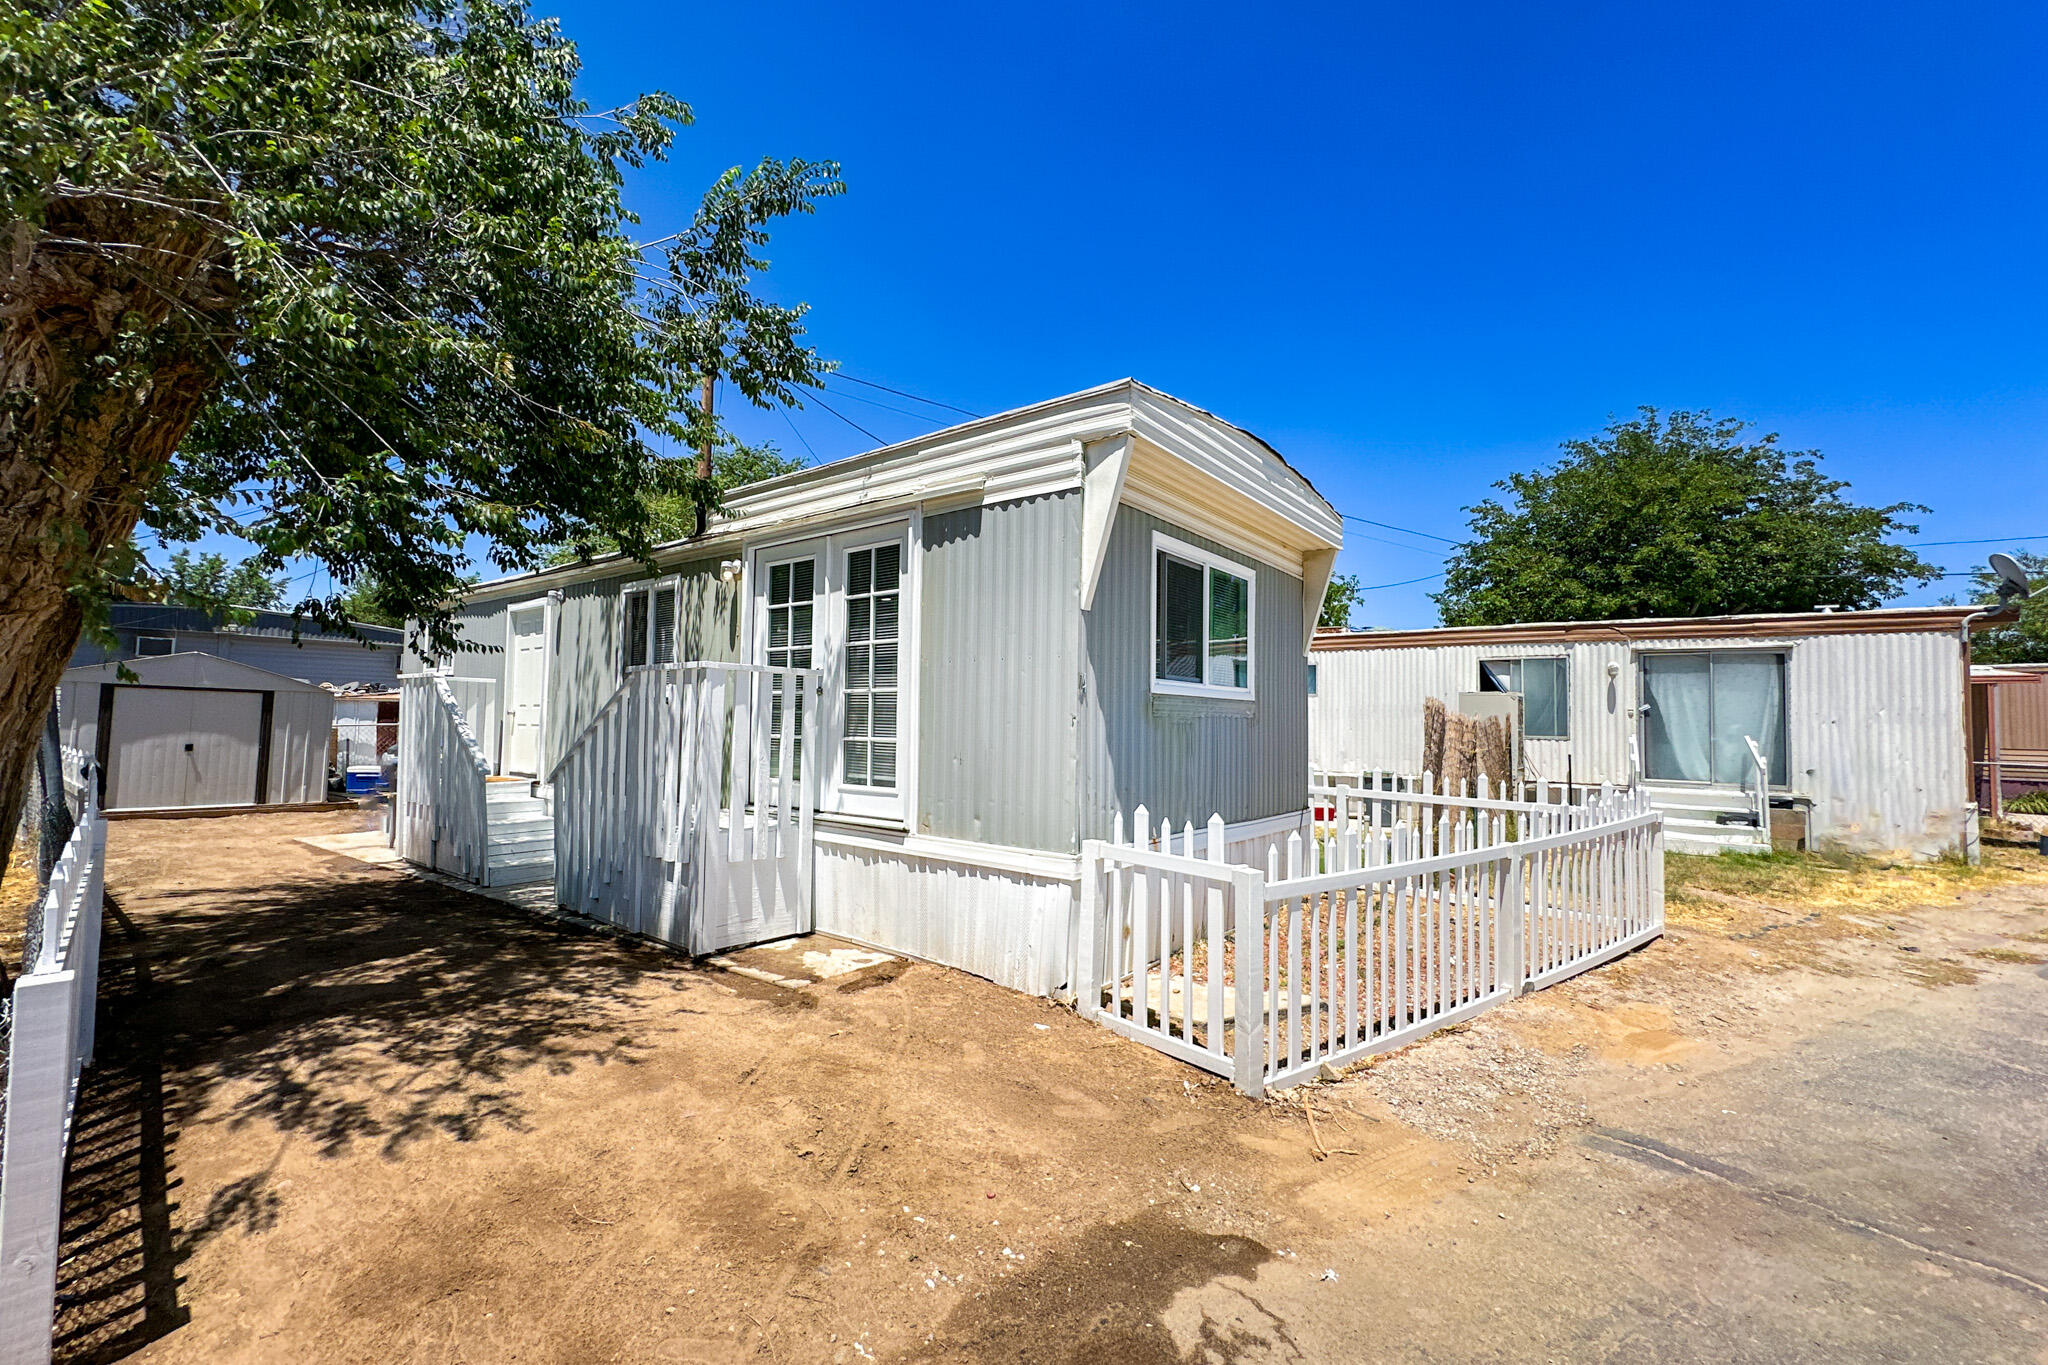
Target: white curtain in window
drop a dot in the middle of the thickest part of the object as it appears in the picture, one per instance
(1749, 701)
(1678, 691)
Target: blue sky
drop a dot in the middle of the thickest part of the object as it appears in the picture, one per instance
(1412, 246)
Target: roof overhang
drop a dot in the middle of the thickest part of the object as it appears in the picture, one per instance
(1783, 625)
(1183, 463)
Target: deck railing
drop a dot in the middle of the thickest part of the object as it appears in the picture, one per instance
(441, 818)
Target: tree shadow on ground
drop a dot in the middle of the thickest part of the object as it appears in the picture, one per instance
(361, 1008)
(1103, 1297)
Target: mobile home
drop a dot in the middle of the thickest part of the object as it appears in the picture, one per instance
(1846, 728)
(889, 697)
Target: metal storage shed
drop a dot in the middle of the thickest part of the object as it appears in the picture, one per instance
(193, 730)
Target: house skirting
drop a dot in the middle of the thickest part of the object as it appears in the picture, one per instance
(1007, 914)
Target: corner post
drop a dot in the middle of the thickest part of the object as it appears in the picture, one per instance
(1248, 920)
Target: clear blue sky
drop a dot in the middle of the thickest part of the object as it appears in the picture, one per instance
(1412, 246)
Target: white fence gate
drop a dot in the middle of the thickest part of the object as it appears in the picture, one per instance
(1369, 935)
(683, 811)
(441, 817)
(50, 1044)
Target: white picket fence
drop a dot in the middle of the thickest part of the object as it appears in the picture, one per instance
(1363, 937)
(441, 817)
(681, 811)
(50, 1044)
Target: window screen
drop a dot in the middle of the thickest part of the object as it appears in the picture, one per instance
(1230, 630)
(1545, 687)
(1180, 620)
(637, 629)
(874, 636)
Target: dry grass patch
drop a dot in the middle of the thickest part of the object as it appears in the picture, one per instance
(1712, 892)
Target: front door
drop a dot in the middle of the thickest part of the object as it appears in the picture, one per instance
(526, 676)
(1701, 709)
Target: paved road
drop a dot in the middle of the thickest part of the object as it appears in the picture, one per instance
(1877, 1190)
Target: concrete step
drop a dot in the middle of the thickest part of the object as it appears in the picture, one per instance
(1692, 835)
(1677, 799)
(523, 868)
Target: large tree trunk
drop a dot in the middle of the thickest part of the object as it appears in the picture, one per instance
(103, 368)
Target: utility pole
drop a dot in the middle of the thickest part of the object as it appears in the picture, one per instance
(704, 457)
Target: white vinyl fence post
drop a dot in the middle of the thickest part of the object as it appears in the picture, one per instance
(1087, 979)
(32, 1162)
(1248, 921)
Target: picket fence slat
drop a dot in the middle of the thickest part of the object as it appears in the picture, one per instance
(49, 1045)
(1380, 930)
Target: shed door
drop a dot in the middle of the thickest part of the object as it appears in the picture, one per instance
(183, 746)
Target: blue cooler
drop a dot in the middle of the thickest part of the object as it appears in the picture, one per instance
(363, 779)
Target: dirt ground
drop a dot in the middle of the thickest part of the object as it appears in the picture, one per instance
(345, 1115)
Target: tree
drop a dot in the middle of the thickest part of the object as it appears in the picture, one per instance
(211, 584)
(1677, 516)
(369, 602)
(1338, 601)
(2025, 641)
(353, 282)
(673, 516)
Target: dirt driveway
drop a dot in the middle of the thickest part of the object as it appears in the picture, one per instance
(344, 1115)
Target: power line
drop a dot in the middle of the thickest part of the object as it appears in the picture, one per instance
(794, 432)
(1375, 587)
(905, 393)
(888, 407)
(1991, 540)
(1388, 526)
(850, 422)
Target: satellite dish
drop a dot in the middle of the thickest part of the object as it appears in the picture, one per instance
(2012, 579)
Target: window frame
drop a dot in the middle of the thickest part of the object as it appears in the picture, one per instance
(1564, 666)
(1210, 562)
(883, 807)
(670, 583)
(141, 653)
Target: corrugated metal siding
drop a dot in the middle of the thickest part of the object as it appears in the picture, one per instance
(583, 658)
(1186, 758)
(1008, 927)
(2023, 717)
(1367, 711)
(1876, 739)
(999, 673)
(301, 724)
(314, 660)
(1874, 723)
(583, 655)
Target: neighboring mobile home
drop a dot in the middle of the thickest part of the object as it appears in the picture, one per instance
(1003, 635)
(272, 640)
(1860, 717)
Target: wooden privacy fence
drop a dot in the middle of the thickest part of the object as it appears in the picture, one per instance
(1363, 937)
(441, 817)
(683, 811)
(48, 1046)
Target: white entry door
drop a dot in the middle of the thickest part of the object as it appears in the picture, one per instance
(526, 688)
(183, 746)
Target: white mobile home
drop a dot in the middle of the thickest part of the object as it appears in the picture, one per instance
(1858, 718)
(889, 697)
